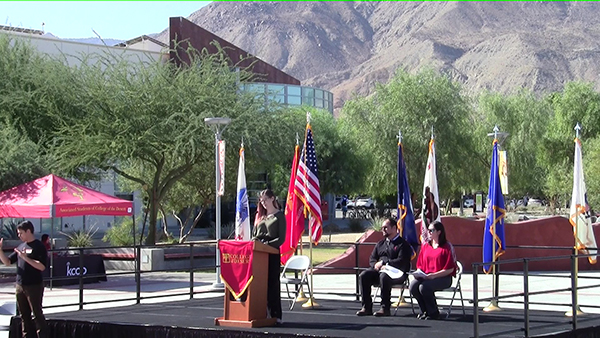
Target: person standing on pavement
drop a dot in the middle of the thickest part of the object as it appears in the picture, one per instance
(31, 257)
(344, 204)
(392, 251)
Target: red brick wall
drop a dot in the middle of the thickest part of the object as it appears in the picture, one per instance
(552, 231)
(181, 29)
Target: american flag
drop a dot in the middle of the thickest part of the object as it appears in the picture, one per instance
(307, 185)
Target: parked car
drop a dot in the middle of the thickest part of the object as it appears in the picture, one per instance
(366, 202)
(535, 202)
(351, 202)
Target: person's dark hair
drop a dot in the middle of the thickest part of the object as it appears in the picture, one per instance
(392, 222)
(440, 227)
(45, 237)
(25, 225)
(260, 210)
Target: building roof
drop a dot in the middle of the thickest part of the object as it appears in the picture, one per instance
(139, 39)
(21, 30)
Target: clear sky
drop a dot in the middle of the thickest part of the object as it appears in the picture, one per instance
(121, 20)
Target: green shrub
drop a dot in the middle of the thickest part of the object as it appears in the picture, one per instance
(355, 225)
(80, 238)
(9, 231)
(376, 222)
(120, 234)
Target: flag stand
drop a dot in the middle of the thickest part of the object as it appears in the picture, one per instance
(493, 306)
(301, 296)
(311, 303)
(401, 303)
(578, 311)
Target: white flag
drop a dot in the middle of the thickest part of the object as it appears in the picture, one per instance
(431, 199)
(242, 209)
(580, 210)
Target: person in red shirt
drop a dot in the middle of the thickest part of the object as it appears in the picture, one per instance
(436, 266)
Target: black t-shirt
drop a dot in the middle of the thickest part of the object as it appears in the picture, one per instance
(27, 274)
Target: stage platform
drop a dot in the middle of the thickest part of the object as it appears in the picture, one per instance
(335, 318)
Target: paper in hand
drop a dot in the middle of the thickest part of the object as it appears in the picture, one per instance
(418, 274)
(392, 271)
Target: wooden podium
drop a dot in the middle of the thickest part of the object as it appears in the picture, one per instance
(252, 311)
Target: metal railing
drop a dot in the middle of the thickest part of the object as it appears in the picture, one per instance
(527, 303)
(192, 247)
(137, 272)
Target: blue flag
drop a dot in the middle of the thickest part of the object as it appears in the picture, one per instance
(406, 217)
(493, 235)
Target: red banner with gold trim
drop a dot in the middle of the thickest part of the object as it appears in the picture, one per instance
(236, 265)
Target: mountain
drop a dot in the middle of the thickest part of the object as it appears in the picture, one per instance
(347, 47)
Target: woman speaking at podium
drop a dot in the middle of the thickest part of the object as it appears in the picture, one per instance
(269, 228)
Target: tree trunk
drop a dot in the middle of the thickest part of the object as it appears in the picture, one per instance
(151, 238)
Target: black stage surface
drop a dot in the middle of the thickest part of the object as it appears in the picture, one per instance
(195, 318)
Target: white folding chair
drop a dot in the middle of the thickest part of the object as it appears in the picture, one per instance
(297, 265)
(456, 288)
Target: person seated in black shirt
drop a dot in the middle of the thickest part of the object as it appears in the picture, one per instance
(392, 251)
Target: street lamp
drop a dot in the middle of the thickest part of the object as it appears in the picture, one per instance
(218, 125)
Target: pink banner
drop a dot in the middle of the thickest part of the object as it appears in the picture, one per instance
(108, 210)
(236, 265)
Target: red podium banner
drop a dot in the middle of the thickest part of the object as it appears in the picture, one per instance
(236, 265)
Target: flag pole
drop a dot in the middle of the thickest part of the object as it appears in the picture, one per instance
(401, 301)
(578, 311)
(311, 303)
(493, 306)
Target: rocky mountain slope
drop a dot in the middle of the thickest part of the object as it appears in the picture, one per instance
(347, 47)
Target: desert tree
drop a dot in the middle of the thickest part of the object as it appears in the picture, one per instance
(413, 104)
(144, 120)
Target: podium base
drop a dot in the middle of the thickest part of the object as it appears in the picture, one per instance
(221, 321)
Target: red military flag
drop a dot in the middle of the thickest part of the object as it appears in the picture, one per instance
(294, 214)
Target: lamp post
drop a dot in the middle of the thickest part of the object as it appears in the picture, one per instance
(218, 125)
